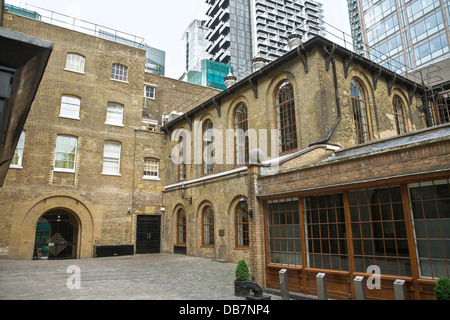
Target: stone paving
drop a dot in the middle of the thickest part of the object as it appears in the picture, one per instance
(138, 277)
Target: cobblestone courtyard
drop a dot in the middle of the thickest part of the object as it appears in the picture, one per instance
(138, 277)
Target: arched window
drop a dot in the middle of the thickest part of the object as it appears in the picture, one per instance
(241, 143)
(208, 140)
(208, 226)
(242, 228)
(360, 111)
(399, 112)
(182, 161)
(285, 112)
(75, 62)
(181, 227)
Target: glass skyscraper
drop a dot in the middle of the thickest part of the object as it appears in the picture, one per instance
(401, 35)
(239, 30)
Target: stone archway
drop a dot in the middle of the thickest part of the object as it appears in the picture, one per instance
(74, 209)
(56, 236)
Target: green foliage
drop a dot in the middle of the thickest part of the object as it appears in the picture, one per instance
(442, 289)
(242, 271)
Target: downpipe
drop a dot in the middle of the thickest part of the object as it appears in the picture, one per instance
(338, 104)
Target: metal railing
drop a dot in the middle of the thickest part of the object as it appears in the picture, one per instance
(86, 27)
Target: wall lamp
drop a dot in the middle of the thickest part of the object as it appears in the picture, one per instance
(243, 205)
(183, 194)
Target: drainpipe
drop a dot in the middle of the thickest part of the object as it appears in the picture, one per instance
(338, 102)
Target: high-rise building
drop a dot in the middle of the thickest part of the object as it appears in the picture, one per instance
(196, 44)
(401, 35)
(239, 30)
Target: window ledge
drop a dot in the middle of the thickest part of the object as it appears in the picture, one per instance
(111, 174)
(66, 117)
(64, 170)
(115, 124)
(119, 80)
(75, 71)
(14, 166)
(151, 178)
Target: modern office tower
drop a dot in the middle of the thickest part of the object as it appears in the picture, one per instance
(196, 44)
(199, 68)
(239, 30)
(401, 35)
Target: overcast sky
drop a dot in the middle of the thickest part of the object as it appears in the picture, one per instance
(160, 23)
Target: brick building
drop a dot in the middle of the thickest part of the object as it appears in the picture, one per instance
(90, 157)
(338, 171)
(356, 179)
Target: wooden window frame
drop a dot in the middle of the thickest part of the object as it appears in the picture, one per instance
(17, 159)
(78, 67)
(285, 118)
(324, 215)
(281, 250)
(149, 167)
(427, 224)
(400, 115)
(207, 168)
(208, 238)
(361, 110)
(116, 159)
(242, 228)
(181, 227)
(68, 100)
(119, 72)
(240, 126)
(58, 152)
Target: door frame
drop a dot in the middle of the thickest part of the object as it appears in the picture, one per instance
(157, 223)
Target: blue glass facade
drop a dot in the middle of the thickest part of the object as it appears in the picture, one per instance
(210, 74)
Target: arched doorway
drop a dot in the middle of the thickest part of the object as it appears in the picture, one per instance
(56, 236)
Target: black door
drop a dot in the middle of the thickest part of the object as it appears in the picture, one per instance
(148, 234)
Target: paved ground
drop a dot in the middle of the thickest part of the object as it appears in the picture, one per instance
(139, 277)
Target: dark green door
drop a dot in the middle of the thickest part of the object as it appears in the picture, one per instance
(148, 234)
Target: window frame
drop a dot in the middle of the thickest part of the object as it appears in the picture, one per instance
(242, 228)
(76, 107)
(423, 223)
(62, 152)
(239, 143)
(400, 115)
(110, 112)
(182, 168)
(362, 135)
(285, 118)
(118, 159)
(19, 152)
(150, 167)
(119, 72)
(208, 237)
(181, 227)
(207, 168)
(82, 63)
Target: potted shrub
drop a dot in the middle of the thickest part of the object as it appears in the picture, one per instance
(242, 276)
(442, 289)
